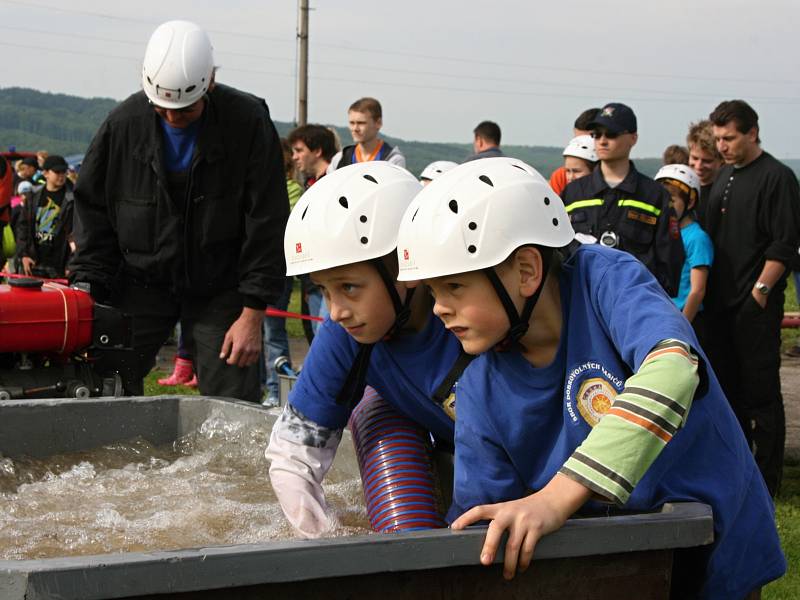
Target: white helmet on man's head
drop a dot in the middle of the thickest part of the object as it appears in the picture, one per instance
(436, 168)
(476, 215)
(581, 146)
(350, 215)
(178, 65)
(683, 174)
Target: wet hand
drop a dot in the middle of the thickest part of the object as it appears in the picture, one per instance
(242, 343)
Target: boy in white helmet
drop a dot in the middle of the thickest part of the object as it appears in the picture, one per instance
(580, 159)
(343, 233)
(433, 170)
(683, 186)
(586, 376)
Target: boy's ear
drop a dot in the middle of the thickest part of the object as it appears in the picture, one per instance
(528, 263)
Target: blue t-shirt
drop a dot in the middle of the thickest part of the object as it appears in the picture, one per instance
(517, 424)
(699, 252)
(179, 145)
(405, 371)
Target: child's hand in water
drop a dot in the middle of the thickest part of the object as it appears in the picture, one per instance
(527, 520)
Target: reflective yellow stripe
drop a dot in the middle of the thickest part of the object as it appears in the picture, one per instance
(640, 205)
(583, 204)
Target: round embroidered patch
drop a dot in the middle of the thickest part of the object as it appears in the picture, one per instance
(594, 399)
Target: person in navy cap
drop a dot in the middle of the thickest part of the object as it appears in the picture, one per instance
(619, 207)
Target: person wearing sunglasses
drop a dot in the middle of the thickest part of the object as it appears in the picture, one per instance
(179, 215)
(619, 207)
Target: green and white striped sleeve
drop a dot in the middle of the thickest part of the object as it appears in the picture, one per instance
(641, 421)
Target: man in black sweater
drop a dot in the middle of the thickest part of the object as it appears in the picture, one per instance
(753, 218)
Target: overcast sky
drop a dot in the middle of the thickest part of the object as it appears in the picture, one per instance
(441, 67)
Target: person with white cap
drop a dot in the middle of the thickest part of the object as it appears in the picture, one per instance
(588, 383)
(683, 186)
(433, 170)
(179, 214)
(580, 159)
(343, 233)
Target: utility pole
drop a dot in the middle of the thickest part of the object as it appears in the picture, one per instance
(302, 62)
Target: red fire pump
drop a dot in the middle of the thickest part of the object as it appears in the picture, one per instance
(51, 339)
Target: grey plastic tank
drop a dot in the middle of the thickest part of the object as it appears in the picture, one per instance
(588, 558)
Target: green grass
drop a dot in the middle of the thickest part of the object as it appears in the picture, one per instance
(790, 337)
(787, 512)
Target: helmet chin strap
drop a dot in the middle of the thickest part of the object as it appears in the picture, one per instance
(353, 387)
(519, 321)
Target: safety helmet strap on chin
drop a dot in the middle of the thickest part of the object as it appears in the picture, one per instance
(178, 65)
(519, 322)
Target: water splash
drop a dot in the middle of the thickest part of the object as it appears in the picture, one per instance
(210, 487)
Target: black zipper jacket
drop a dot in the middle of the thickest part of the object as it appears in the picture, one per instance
(227, 233)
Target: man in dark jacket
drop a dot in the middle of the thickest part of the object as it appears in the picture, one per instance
(179, 215)
(753, 218)
(44, 228)
(620, 207)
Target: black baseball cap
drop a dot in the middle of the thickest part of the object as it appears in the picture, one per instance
(30, 161)
(56, 163)
(616, 118)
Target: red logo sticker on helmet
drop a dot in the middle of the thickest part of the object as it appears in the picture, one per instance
(405, 253)
(298, 248)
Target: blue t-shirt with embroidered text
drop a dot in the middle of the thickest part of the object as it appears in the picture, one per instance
(517, 425)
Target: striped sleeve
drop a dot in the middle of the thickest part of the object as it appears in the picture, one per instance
(642, 419)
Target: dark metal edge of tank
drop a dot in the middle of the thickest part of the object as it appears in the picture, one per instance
(131, 574)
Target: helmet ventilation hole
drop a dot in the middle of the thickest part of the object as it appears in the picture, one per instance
(473, 225)
(471, 249)
(546, 201)
(415, 215)
(150, 81)
(343, 202)
(486, 180)
(520, 168)
(305, 210)
(370, 178)
(364, 240)
(190, 89)
(453, 206)
(555, 222)
(363, 218)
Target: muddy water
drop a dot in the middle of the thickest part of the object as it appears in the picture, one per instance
(208, 488)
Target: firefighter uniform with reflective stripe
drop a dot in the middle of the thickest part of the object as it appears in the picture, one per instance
(634, 216)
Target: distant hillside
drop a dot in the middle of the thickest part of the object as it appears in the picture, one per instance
(32, 120)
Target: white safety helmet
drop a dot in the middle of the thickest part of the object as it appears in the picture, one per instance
(350, 215)
(581, 147)
(682, 174)
(178, 65)
(436, 168)
(476, 215)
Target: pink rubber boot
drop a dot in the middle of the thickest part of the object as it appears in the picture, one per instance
(181, 375)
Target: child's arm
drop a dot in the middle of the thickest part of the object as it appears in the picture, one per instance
(300, 453)
(527, 520)
(609, 463)
(643, 418)
(698, 277)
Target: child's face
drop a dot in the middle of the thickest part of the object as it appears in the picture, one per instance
(677, 203)
(358, 300)
(575, 168)
(469, 307)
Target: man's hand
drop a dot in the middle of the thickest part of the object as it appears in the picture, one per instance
(527, 519)
(760, 298)
(242, 343)
(27, 264)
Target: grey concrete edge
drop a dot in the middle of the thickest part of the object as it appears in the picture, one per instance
(120, 575)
